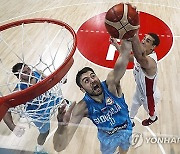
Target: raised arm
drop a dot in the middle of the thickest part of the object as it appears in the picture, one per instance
(65, 132)
(123, 59)
(145, 61)
(114, 77)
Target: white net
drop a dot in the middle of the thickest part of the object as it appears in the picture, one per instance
(40, 48)
(42, 108)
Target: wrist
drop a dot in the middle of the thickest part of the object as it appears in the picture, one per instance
(62, 124)
(61, 128)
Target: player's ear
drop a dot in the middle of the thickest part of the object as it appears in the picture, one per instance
(82, 89)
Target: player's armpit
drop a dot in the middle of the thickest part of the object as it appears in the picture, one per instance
(146, 62)
(150, 67)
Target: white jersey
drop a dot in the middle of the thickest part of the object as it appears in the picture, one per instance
(144, 83)
(147, 93)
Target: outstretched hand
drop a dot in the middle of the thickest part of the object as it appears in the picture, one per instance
(63, 115)
(114, 42)
(123, 47)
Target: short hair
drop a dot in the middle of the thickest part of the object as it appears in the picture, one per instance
(156, 41)
(79, 74)
(17, 67)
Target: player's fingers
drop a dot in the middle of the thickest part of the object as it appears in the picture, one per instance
(61, 113)
(127, 3)
(111, 40)
(129, 39)
(60, 116)
(114, 42)
(61, 109)
(134, 7)
(72, 107)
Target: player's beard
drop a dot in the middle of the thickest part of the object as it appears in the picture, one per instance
(96, 90)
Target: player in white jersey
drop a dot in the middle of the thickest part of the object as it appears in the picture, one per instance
(145, 73)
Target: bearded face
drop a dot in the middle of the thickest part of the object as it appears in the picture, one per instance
(91, 84)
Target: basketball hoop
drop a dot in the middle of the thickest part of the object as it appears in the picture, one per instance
(55, 42)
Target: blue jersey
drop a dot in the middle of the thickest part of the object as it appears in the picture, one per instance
(41, 104)
(23, 85)
(111, 115)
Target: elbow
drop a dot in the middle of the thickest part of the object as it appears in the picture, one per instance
(58, 144)
(58, 147)
(144, 64)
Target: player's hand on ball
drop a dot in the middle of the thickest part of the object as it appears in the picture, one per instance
(114, 42)
(135, 37)
(19, 131)
(125, 45)
(122, 13)
(133, 6)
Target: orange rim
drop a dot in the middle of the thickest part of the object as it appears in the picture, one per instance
(26, 95)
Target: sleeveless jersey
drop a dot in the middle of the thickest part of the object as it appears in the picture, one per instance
(145, 84)
(23, 85)
(111, 115)
(41, 104)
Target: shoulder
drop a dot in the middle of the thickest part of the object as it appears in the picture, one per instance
(21, 86)
(151, 71)
(152, 58)
(39, 73)
(36, 73)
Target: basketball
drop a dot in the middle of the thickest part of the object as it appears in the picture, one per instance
(122, 21)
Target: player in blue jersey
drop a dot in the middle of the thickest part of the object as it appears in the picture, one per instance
(104, 104)
(41, 116)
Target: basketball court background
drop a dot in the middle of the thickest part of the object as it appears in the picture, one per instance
(76, 13)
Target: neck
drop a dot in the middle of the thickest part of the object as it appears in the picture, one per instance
(98, 98)
(147, 53)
